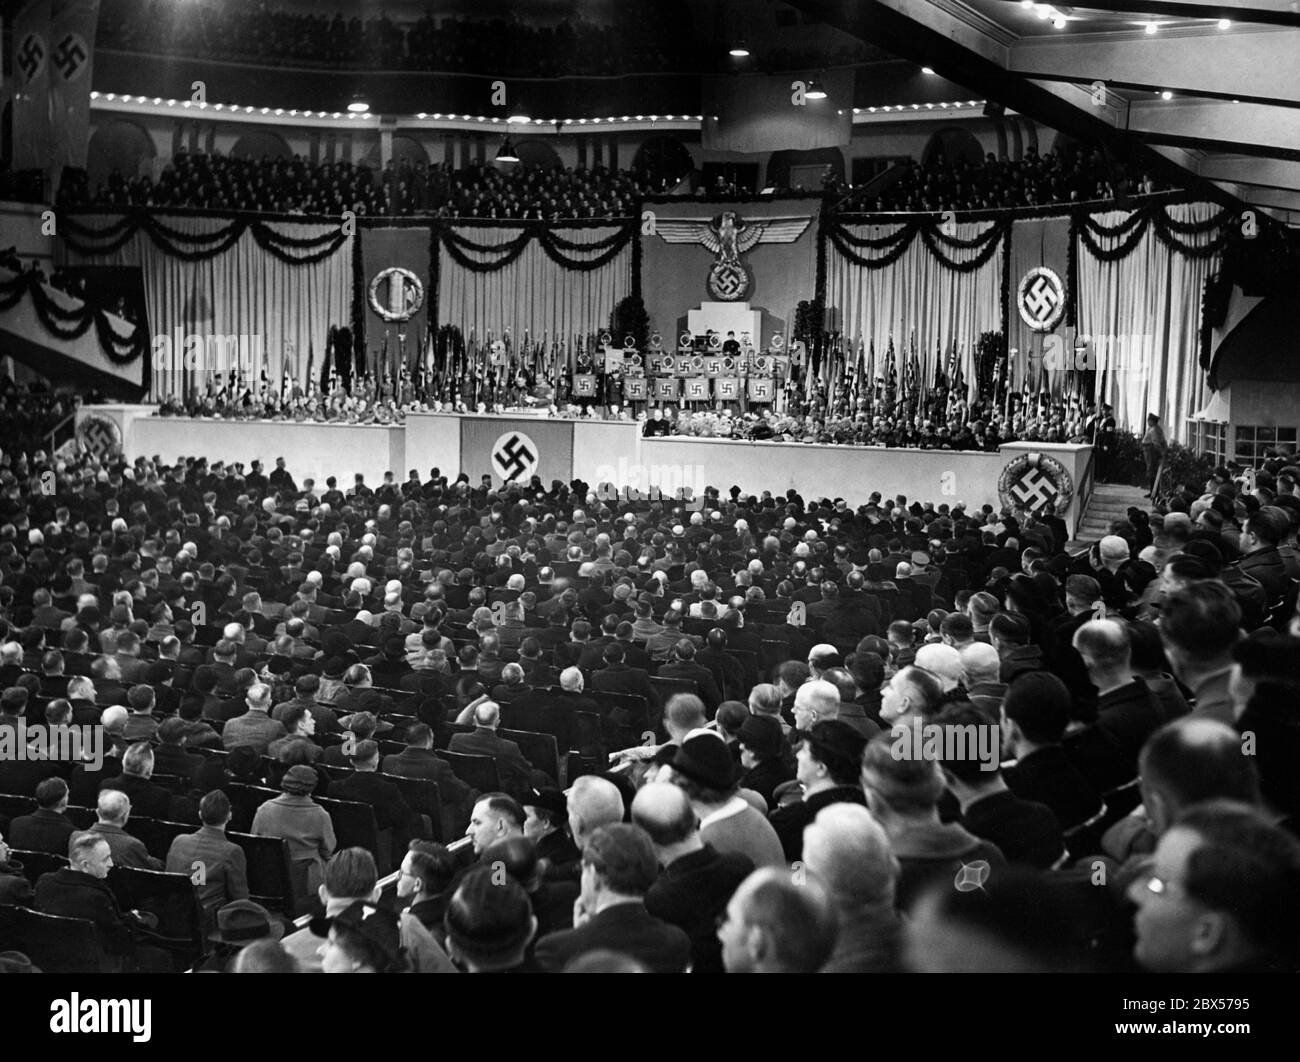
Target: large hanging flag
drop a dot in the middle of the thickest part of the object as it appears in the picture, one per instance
(31, 99)
(72, 49)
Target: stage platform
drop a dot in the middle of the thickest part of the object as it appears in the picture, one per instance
(594, 451)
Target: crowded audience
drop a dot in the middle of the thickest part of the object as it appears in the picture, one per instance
(292, 186)
(778, 734)
(1034, 180)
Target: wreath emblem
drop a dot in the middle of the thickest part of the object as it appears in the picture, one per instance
(1036, 483)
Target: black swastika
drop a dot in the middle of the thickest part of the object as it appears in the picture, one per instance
(1034, 490)
(69, 55)
(31, 54)
(514, 459)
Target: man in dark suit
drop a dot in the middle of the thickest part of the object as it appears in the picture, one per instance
(516, 772)
(1035, 713)
(46, 829)
(1025, 832)
(80, 891)
(618, 869)
(225, 866)
(147, 799)
(682, 665)
(15, 889)
(367, 786)
(418, 760)
(617, 677)
(697, 881)
(725, 668)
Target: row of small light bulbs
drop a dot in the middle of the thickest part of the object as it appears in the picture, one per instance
(1060, 21)
(233, 108)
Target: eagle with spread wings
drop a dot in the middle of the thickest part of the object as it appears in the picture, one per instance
(728, 235)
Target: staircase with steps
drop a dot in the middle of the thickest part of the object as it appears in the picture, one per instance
(1109, 501)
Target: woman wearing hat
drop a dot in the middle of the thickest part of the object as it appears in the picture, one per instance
(294, 817)
(765, 756)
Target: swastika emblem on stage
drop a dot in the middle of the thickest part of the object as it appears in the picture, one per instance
(31, 56)
(99, 436)
(1041, 299)
(70, 56)
(1034, 489)
(514, 457)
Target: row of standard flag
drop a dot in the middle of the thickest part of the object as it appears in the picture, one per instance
(859, 372)
(53, 46)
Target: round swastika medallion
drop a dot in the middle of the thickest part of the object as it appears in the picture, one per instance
(99, 436)
(514, 457)
(1041, 299)
(1036, 483)
(728, 281)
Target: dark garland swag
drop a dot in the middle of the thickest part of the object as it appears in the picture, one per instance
(291, 250)
(558, 249)
(72, 324)
(895, 244)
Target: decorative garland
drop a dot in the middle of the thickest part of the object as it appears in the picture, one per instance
(556, 247)
(67, 324)
(194, 247)
(1130, 232)
(1056, 472)
(931, 233)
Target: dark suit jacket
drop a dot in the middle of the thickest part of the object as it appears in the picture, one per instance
(627, 928)
(41, 831)
(790, 820)
(515, 769)
(692, 892)
(392, 812)
(725, 669)
(424, 763)
(619, 678)
(146, 798)
(14, 888)
(701, 676)
(1046, 776)
(73, 894)
(1025, 832)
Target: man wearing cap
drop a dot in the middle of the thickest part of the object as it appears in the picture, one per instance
(217, 866)
(618, 869)
(828, 766)
(697, 881)
(238, 925)
(703, 767)
(304, 824)
(547, 815)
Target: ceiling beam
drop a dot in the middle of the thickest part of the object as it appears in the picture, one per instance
(1260, 65)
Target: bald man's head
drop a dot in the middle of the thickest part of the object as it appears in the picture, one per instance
(665, 812)
(593, 802)
(849, 851)
(1192, 760)
(684, 713)
(815, 702)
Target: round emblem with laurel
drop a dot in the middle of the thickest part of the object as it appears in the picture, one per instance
(402, 294)
(728, 281)
(1036, 483)
(1040, 298)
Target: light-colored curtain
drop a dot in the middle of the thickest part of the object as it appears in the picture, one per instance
(1146, 308)
(532, 292)
(280, 314)
(916, 295)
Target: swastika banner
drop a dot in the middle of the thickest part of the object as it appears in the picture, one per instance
(634, 388)
(1039, 302)
(727, 388)
(668, 388)
(584, 385)
(31, 99)
(760, 389)
(696, 389)
(72, 49)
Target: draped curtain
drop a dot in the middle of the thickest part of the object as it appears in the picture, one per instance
(532, 290)
(905, 289)
(276, 287)
(1151, 291)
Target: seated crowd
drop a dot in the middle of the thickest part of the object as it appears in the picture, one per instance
(720, 741)
(293, 186)
(1035, 180)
